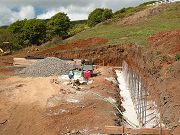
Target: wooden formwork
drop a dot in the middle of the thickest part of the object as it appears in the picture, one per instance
(139, 131)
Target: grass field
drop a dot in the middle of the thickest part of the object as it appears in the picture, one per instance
(138, 33)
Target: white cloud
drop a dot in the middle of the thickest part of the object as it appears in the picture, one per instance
(47, 14)
(66, 3)
(79, 9)
(74, 13)
(76, 9)
(27, 12)
(9, 16)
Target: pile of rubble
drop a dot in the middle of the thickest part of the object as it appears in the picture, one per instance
(48, 67)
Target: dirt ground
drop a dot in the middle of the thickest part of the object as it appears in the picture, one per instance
(48, 106)
(142, 15)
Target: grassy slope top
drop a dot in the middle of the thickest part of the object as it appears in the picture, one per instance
(137, 33)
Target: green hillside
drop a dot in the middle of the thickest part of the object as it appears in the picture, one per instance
(137, 33)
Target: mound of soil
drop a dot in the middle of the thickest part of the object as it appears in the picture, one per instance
(88, 42)
(75, 45)
(6, 60)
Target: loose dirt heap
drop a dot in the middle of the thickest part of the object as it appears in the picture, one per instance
(48, 67)
(73, 45)
(6, 61)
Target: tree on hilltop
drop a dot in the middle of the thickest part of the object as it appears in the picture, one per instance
(58, 25)
(99, 15)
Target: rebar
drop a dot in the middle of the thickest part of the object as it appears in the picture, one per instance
(138, 92)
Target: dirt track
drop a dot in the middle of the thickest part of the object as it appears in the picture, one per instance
(45, 106)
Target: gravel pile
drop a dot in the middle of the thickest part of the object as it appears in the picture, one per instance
(47, 67)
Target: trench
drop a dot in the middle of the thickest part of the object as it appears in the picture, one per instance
(140, 110)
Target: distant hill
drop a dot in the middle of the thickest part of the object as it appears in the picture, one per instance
(79, 22)
(4, 27)
(136, 28)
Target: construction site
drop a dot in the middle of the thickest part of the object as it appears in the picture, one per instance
(90, 86)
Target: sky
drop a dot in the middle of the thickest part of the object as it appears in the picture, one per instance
(13, 10)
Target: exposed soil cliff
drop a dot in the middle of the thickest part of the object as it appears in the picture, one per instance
(159, 67)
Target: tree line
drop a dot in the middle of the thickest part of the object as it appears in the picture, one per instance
(24, 33)
(36, 31)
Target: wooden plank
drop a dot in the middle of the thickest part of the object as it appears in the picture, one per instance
(147, 131)
(143, 131)
(113, 130)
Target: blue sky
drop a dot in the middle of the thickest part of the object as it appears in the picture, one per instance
(13, 10)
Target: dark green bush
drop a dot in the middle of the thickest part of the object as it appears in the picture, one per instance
(58, 25)
(177, 57)
(99, 15)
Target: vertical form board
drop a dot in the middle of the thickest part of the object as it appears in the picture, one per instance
(145, 103)
(142, 102)
(138, 95)
(140, 99)
(136, 81)
(134, 88)
(129, 78)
